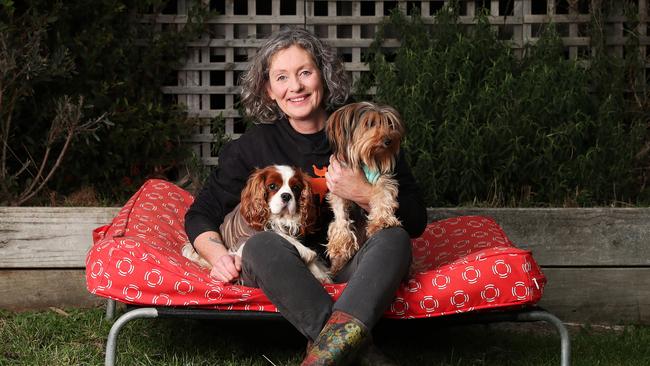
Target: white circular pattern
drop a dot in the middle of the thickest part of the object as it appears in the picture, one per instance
(170, 207)
(501, 268)
(460, 299)
(107, 286)
(479, 235)
(142, 228)
(148, 206)
(121, 269)
(213, 294)
(467, 310)
(148, 256)
(437, 231)
(471, 274)
(520, 291)
(166, 219)
(420, 244)
(154, 196)
(97, 269)
(482, 244)
(160, 186)
(168, 300)
(461, 244)
(153, 278)
(429, 304)
(399, 306)
(413, 285)
(175, 196)
(440, 243)
(132, 292)
(490, 293)
(173, 262)
(458, 232)
(183, 287)
(441, 281)
(249, 307)
(128, 243)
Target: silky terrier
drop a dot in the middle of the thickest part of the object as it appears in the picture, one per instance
(366, 137)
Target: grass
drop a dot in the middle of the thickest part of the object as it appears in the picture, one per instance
(77, 337)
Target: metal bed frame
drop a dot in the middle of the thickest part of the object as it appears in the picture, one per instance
(529, 314)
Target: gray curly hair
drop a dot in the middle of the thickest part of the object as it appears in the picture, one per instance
(254, 97)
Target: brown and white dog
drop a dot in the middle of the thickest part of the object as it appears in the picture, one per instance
(366, 137)
(276, 198)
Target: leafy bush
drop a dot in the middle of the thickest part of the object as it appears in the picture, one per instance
(118, 64)
(486, 126)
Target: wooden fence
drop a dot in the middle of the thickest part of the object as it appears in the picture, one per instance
(596, 260)
(207, 83)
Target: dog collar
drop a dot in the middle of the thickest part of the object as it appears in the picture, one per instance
(371, 175)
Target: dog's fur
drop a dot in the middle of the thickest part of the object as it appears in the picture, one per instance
(363, 134)
(276, 198)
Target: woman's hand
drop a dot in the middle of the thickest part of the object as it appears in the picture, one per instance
(348, 183)
(225, 266)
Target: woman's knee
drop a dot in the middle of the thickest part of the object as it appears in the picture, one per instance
(266, 246)
(394, 239)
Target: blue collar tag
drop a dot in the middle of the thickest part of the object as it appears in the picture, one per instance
(371, 175)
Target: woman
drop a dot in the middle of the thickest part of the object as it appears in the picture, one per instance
(293, 81)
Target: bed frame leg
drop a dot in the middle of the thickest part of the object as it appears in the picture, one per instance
(541, 315)
(111, 343)
(110, 309)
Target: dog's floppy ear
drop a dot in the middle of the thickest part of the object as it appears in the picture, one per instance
(307, 207)
(254, 206)
(339, 132)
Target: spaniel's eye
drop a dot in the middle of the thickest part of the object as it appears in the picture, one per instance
(296, 188)
(273, 186)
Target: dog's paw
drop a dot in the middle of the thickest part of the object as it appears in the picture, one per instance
(340, 237)
(337, 265)
(342, 244)
(308, 256)
(320, 272)
(375, 225)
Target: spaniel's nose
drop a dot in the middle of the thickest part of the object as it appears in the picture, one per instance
(286, 197)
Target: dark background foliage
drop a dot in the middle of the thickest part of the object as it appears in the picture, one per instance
(119, 64)
(488, 127)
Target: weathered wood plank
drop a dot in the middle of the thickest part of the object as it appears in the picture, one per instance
(572, 236)
(59, 237)
(598, 295)
(41, 237)
(587, 295)
(39, 289)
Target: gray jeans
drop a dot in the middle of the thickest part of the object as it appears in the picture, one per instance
(372, 275)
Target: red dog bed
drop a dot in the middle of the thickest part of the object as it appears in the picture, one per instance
(459, 265)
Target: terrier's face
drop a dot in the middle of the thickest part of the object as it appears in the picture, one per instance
(366, 133)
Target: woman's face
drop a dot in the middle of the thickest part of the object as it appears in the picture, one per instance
(295, 84)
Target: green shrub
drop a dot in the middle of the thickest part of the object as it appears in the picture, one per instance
(119, 65)
(486, 126)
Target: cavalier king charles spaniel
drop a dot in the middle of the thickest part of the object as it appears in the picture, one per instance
(276, 198)
(366, 137)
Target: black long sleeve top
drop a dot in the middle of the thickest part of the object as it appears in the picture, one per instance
(279, 143)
